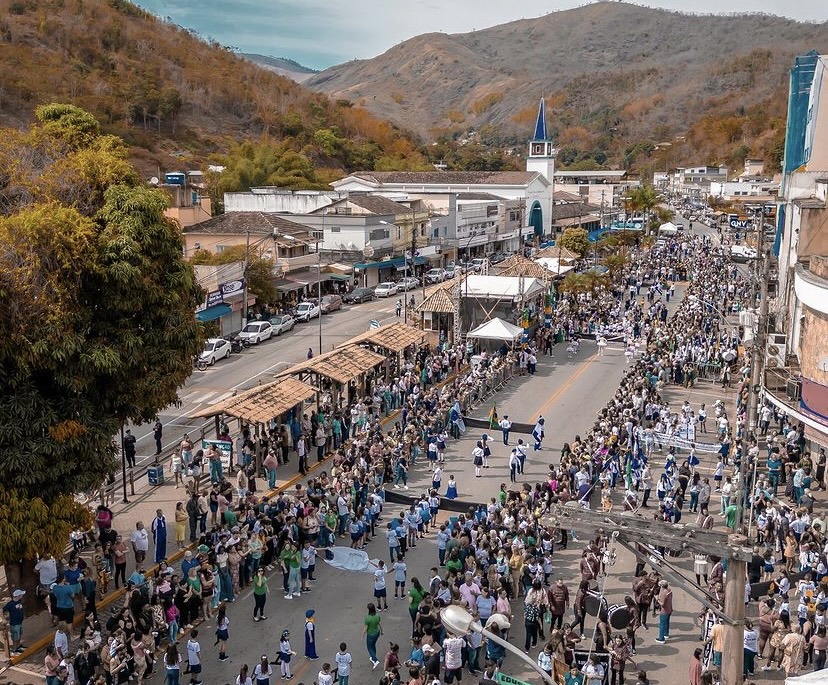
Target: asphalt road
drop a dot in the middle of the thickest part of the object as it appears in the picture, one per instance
(258, 364)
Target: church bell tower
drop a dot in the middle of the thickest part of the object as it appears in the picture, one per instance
(542, 153)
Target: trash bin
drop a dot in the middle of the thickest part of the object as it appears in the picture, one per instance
(155, 475)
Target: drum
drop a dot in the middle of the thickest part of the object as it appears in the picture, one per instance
(619, 616)
(594, 604)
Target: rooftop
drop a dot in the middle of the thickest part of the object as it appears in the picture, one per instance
(257, 223)
(507, 178)
(373, 204)
(620, 173)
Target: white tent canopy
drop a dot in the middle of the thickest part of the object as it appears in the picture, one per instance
(497, 329)
(555, 265)
(500, 287)
(668, 229)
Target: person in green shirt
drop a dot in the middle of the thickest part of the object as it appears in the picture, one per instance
(415, 596)
(730, 516)
(453, 562)
(372, 631)
(259, 595)
(291, 559)
(231, 518)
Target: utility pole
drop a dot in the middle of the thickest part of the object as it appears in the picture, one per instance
(244, 278)
(413, 269)
(757, 361)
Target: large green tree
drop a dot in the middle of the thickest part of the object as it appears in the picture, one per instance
(576, 240)
(97, 317)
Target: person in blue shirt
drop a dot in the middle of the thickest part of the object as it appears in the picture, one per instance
(64, 600)
(137, 578)
(14, 614)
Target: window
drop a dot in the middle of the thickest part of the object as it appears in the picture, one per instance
(378, 234)
(335, 229)
(221, 248)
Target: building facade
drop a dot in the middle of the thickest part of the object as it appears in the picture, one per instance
(797, 381)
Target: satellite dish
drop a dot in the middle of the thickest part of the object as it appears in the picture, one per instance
(154, 181)
(773, 349)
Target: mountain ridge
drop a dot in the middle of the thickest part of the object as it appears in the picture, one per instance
(615, 76)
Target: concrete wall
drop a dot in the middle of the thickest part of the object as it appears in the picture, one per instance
(282, 201)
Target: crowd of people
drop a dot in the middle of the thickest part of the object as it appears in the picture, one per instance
(497, 561)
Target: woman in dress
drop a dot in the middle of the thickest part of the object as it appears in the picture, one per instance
(310, 635)
(222, 632)
(451, 488)
(180, 524)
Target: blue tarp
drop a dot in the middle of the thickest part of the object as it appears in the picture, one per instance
(214, 312)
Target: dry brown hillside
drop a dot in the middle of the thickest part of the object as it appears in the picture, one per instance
(619, 78)
(175, 98)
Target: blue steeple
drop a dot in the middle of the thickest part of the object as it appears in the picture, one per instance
(540, 124)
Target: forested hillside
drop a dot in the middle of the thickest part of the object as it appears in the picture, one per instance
(175, 99)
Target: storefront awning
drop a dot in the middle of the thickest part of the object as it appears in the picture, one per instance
(341, 277)
(214, 312)
(397, 262)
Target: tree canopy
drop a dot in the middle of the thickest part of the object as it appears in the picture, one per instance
(96, 307)
(576, 240)
(259, 270)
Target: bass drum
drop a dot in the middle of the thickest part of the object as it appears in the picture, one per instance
(619, 616)
(595, 605)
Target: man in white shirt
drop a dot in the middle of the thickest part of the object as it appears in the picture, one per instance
(140, 542)
(505, 427)
(380, 591)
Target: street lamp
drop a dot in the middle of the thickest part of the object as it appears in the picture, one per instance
(457, 621)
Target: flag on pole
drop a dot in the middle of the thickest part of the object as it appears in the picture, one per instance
(493, 416)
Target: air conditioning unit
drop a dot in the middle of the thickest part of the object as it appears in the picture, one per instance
(793, 388)
(776, 350)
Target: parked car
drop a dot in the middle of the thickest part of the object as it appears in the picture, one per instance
(330, 303)
(435, 275)
(257, 331)
(498, 257)
(386, 289)
(214, 349)
(449, 272)
(359, 295)
(306, 311)
(282, 323)
(408, 283)
(742, 253)
(477, 264)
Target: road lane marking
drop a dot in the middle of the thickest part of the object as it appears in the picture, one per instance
(566, 386)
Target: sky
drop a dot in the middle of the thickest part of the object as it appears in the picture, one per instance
(321, 33)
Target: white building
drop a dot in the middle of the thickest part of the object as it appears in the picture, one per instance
(271, 199)
(750, 187)
(600, 188)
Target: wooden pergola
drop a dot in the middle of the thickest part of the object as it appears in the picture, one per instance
(518, 265)
(390, 340)
(557, 252)
(343, 367)
(262, 403)
(393, 338)
(259, 405)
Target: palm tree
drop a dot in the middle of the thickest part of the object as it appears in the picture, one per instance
(643, 199)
